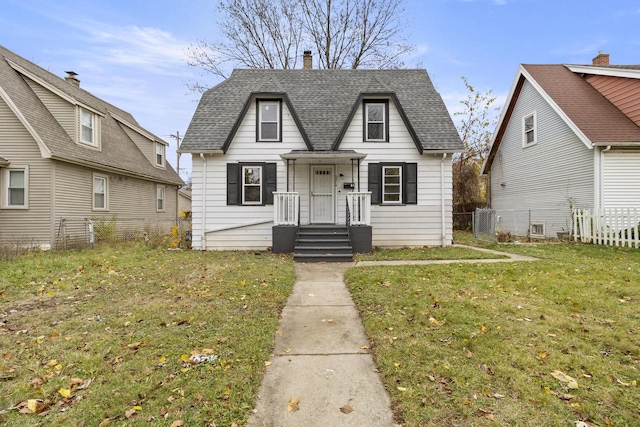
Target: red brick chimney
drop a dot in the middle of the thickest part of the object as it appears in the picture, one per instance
(307, 60)
(602, 59)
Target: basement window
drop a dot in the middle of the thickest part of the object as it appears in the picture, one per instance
(537, 230)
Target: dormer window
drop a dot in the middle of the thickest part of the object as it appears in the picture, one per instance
(269, 120)
(376, 119)
(87, 127)
(159, 154)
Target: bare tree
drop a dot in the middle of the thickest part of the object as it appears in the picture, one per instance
(272, 34)
(479, 118)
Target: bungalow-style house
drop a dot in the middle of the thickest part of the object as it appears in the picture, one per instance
(568, 137)
(66, 154)
(283, 158)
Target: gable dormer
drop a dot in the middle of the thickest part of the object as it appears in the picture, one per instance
(153, 148)
(81, 122)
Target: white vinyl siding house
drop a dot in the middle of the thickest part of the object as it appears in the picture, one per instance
(279, 138)
(560, 144)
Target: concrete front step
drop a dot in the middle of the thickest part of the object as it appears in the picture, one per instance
(332, 257)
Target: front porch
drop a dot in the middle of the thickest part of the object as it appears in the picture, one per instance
(322, 242)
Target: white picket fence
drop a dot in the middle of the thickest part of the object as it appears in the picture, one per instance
(608, 226)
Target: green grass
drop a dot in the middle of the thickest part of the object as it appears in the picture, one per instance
(476, 344)
(115, 327)
(426, 253)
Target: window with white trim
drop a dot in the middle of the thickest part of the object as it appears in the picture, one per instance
(269, 123)
(376, 117)
(392, 184)
(251, 185)
(160, 198)
(159, 154)
(537, 229)
(100, 192)
(529, 130)
(87, 127)
(16, 188)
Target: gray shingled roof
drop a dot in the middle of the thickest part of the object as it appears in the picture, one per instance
(118, 152)
(322, 101)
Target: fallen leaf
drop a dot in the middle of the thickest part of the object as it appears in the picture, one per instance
(287, 350)
(130, 413)
(64, 392)
(402, 388)
(364, 347)
(267, 363)
(498, 396)
(32, 404)
(104, 422)
(292, 406)
(346, 409)
(561, 376)
(177, 423)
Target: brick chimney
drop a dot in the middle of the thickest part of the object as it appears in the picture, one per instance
(71, 78)
(602, 59)
(307, 60)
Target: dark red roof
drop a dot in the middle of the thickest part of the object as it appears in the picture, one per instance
(596, 117)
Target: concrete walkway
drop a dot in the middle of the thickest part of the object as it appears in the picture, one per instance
(321, 357)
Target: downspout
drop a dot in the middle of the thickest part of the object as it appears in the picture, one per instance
(203, 239)
(444, 226)
(597, 198)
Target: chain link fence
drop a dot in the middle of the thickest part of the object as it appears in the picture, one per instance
(78, 232)
(504, 225)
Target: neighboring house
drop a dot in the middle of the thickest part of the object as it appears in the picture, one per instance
(65, 153)
(569, 136)
(184, 201)
(294, 147)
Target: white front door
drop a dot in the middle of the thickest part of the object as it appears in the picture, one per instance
(322, 205)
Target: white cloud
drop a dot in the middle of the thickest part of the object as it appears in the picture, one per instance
(577, 49)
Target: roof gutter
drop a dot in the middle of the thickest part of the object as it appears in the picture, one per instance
(199, 151)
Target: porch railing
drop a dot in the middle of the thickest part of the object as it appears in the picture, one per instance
(286, 208)
(608, 226)
(359, 208)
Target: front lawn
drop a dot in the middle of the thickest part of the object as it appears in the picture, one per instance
(131, 334)
(549, 342)
(425, 253)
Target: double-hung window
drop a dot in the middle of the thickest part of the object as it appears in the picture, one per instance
(529, 130)
(252, 185)
(87, 127)
(392, 184)
(100, 188)
(376, 118)
(160, 198)
(269, 120)
(16, 188)
(159, 154)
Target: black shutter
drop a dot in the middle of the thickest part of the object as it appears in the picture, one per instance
(375, 177)
(233, 187)
(270, 182)
(411, 183)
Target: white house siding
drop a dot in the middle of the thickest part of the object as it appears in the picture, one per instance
(21, 150)
(63, 111)
(252, 223)
(620, 179)
(408, 225)
(545, 178)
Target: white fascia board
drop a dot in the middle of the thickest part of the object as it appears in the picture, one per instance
(605, 71)
(586, 141)
(44, 150)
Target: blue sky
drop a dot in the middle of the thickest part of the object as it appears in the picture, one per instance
(133, 53)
